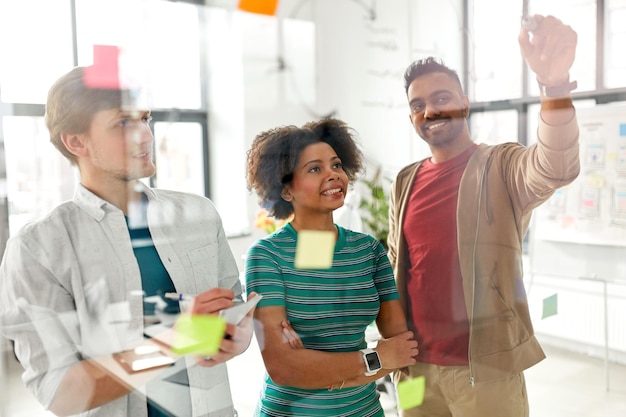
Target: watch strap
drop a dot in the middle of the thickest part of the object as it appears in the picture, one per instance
(558, 91)
(368, 370)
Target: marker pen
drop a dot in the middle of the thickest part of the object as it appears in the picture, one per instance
(178, 297)
(529, 23)
(185, 297)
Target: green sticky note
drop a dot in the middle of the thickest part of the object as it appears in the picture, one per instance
(198, 334)
(549, 306)
(314, 249)
(411, 392)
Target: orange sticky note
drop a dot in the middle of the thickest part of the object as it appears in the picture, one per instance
(259, 6)
(411, 392)
(199, 334)
(314, 249)
(105, 71)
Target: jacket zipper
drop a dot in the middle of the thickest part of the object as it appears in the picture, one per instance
(471, 319)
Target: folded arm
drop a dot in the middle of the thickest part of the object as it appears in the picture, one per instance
(312, 369)
(390, 322)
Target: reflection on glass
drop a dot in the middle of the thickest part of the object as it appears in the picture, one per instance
(38, 177)
(533, 123)
(494, 127)
(24, 50)
(615, 59)
(162, 37)
(496, 70)
(278, 60)
(179, 157)
(581, 16)
(299, 38)
(438, 36)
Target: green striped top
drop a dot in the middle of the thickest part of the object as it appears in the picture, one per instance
(330, 309)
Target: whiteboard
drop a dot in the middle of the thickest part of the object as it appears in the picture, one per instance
(591, 210)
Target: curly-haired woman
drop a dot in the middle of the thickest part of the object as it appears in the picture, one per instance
(326, 369)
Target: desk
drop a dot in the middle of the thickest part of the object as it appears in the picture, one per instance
(207, 394)
(170, 397)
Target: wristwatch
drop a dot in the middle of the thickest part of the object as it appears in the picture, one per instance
(372, 361)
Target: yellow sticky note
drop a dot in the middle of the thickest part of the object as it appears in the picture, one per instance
(596, 180)
(198, 334)
(411, 392)
(314, 249)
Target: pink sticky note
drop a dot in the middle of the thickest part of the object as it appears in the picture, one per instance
(104, 73)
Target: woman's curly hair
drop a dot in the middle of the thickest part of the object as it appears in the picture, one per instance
(274, 154)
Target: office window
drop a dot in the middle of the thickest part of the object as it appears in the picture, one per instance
(179, 157)
(35, 48)
(38, 176)
(495, 63)
(581, 16)
(162, 37)
(439, 37)
(175, 55)
(615, 35)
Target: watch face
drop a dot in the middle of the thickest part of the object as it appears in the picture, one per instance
(373, 362)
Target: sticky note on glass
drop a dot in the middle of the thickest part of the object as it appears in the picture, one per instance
(411, 392)
(314, 249)
(198, 334)
(259, 6)
(104, 73)
(549, 306)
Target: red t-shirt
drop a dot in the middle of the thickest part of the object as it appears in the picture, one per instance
(434, 284)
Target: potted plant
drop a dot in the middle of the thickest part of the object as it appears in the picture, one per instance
(375, 207)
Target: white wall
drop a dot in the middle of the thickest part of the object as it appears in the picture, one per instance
(361, 63)
(353, 69)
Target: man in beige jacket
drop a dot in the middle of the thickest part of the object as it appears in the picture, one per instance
(457, 221)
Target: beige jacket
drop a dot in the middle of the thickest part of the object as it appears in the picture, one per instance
(499, 189)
